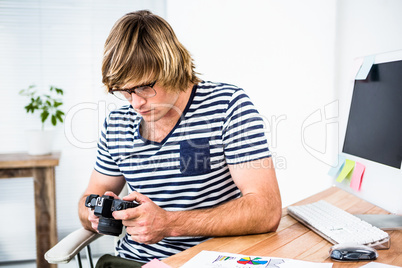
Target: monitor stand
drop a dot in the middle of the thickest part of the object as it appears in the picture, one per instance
(383, 221)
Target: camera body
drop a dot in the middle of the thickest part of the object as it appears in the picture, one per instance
(103, 207)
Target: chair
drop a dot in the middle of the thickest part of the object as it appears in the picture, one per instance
(71, 246)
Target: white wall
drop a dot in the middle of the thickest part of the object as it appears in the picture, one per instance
(368, 27)
(282, 53)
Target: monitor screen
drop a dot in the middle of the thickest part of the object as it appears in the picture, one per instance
(374, 128)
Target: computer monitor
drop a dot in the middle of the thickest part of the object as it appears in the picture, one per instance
(371, 131)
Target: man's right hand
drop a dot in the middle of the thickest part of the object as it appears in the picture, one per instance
(93, 219)
(98, 184)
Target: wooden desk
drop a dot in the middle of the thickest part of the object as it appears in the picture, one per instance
(294, 241)
(41, 168)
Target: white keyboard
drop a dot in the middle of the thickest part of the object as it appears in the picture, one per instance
(338, 226)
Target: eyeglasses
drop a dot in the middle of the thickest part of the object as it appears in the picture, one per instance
(146, 91)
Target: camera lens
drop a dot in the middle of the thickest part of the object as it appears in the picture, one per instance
(110, 226)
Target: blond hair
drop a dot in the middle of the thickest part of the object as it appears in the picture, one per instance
(142, 48)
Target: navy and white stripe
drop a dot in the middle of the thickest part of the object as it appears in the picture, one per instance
(189, 168)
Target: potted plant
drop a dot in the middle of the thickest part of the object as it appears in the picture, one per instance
(48, 106)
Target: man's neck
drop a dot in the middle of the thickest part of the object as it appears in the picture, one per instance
(158, 130)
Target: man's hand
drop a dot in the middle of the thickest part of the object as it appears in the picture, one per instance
(147, 223)
(98, 184)
(93, 219)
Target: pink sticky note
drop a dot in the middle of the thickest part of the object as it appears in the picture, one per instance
(357, 176)
(155, 263)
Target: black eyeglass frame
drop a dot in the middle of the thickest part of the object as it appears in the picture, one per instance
(133, 90)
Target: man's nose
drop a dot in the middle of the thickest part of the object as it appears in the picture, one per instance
(137, 101)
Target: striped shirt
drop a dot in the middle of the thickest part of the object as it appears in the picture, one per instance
(189, 168)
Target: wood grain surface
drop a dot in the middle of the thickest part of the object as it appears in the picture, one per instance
(295, 241)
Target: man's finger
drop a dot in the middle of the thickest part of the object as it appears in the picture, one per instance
(137, 197)
(109, 193)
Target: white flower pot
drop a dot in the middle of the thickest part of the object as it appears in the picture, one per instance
(40, 142)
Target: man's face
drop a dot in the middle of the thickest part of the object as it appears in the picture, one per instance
(163, 104)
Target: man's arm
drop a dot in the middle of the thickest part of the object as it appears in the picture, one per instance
(257, 211)
(98, 184)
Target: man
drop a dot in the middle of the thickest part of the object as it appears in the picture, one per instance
(193, 153)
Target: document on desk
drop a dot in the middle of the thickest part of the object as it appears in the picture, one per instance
(213, 259)
(378, 265)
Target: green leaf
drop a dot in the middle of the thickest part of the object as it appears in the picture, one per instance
(57, 104)
(44, 115)
(59, 115)
(59, 91)
(28, 108)
(60, 118)
(54, 120)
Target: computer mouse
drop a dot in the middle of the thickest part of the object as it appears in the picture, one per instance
(352, 252)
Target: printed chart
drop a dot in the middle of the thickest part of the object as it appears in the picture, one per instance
(253, 261)
(213, 259)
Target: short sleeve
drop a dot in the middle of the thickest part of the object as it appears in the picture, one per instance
(244, 131)
(104, 161)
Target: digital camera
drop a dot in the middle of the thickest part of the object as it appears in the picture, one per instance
(103, 207)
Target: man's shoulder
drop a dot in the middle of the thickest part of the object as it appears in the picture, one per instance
(217, 86)
(217, 89)
(123, 114)
(125, 110)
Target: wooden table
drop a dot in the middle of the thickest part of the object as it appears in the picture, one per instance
(42, 169)
(295, 241)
